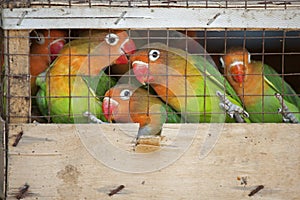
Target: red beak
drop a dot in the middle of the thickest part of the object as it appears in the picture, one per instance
(55, 47)
(238, 73)
(141, 72)
(128, 47)
(109, 108)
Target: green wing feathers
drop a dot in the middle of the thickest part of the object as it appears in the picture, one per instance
(280, 86)
(215, 77)
(86, 95)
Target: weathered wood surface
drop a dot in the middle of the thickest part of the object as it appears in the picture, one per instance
(56, 164)
(2, 158)
(155, 18)
(17, 78)
(156, 3)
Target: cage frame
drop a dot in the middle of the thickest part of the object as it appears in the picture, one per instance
(131, 18)
(18, 22)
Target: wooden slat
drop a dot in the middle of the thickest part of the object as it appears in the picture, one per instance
(61, 162)
(2, 158)
(107, 17)
(17, 78)
(156, 3)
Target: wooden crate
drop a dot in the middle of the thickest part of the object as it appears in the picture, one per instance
(58, 162)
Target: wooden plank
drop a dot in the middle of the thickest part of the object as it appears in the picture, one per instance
(58, 163)
(107, 17)
(157, 3)
(17, 78)
(1, 70)
(2, 158)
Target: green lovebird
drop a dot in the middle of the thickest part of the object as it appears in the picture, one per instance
(70, 86)
(188, 83)
(126, 103)
(256, 84)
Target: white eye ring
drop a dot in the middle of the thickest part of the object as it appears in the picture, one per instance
(154, 55)
(40, 38)
(125, 94)
(249, 57)
(111, 39)
(222, 62)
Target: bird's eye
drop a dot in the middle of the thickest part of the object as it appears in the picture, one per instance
(154, 55)
(40, 38)
(111, 39)
(222, 62)
(125, 94)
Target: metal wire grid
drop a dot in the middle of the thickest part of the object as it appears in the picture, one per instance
(159, 3)
(278, 48)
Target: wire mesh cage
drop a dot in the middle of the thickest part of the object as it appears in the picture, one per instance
(49, 46)
(60, 59)
(273, 48)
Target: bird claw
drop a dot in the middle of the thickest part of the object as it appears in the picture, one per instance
(93, 118)
(287, 116)
(233, 110)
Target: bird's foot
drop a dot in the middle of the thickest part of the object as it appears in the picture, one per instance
(93, 118)
(233, 110)
(287, 116)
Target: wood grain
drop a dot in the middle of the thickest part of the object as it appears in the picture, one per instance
(2, 158)
(54, 160)
(155, 18)
(17, 76)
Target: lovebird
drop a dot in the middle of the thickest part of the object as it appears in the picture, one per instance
(45, 45)
(126, 103)
(67, 87)
(256, 84)
(188, 83)
(116, 70)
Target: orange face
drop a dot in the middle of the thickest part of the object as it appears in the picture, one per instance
(142, 61)
(115, 104)
(47, 42)
(45, 46)
(112, 48)
(235, 63)
(126, 45)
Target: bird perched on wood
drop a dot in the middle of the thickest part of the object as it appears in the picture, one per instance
(258, 86)
(44, 48)
(67, 87)
(126, 103)
(188, 83)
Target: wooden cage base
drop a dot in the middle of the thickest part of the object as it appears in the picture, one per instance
(56, 164)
